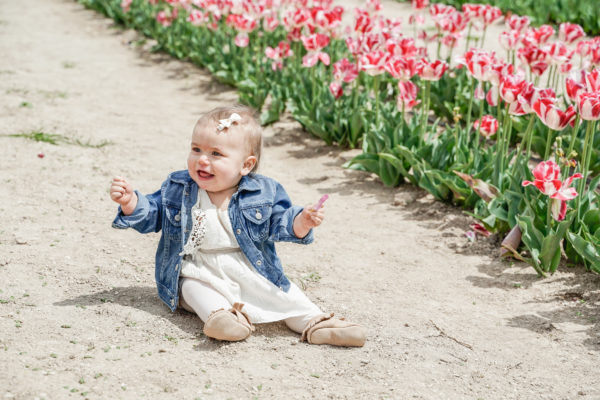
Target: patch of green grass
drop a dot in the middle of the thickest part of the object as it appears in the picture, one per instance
(26, 104)
(55, 139)
(68, 64)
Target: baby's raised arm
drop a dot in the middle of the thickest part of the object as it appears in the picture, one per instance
(122, 192)
(310, 217)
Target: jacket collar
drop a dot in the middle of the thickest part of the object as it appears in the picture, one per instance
(249, 183)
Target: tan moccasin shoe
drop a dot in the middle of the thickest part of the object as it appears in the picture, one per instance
(230, 325)
(325, 329)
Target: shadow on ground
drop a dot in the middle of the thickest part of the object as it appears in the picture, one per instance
(145, 298)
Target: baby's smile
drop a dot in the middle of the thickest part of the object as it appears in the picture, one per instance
(204, 174)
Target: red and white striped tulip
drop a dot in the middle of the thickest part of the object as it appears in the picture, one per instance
(568, 32)
(407, 96)
(419, 4)
(510, 87)
(493, 96)
(487, 125)
(478, 63)
(589, 106)
(575, 84)
(518, 23)
(552, 116)
(336, 89)
(431, 71)
(510, 39)
(344, 70)
(401, 68)
(547, 180)
(593, 80)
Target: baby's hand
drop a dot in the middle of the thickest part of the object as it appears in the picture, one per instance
(122, 192)
(308, 219)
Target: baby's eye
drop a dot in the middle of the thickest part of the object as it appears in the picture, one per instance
(216, 154)
(196, 149)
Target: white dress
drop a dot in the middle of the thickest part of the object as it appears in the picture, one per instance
(213, 256)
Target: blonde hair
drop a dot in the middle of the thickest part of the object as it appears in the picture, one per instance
(248, 125)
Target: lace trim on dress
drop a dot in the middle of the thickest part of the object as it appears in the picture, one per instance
(198, 232)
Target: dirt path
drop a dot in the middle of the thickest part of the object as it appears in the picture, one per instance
(79, 317)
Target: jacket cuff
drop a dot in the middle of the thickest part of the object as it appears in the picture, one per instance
(309, 238)
(142, 208)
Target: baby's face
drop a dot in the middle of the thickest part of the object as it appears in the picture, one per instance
(218, 160)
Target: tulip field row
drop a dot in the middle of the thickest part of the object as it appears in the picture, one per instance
(582, 12)
(509, 136)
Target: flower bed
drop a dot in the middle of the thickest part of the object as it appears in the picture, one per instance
(582, 12)
(467, 134)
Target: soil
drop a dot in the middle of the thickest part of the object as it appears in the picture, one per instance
(79, 313)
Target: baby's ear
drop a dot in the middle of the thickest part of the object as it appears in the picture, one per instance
(248, 165)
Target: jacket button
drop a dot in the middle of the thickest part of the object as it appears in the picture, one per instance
(259, 262)
(177, 217)
(177, 267)
(238, 231)
(172, 302)
(258, 215)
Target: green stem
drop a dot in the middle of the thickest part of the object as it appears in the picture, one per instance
(472, 90)
(574, 132)
(548, 144)
(584, 166)
(376, 92)
(528, 132)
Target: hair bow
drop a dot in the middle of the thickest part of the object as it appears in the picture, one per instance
(227, 122)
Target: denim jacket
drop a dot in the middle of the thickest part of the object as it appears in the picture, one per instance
(260, 211)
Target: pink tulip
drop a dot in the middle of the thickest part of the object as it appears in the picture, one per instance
(242, 39)
(552, 116)
(569, 33)
(270, 23)
(416, 19)
(407, 96)
(487, 126)
(164, 19)
(197, 17)
(125, 4)
(336, 90)
(589, 106)
(312, 58)
(431, 71)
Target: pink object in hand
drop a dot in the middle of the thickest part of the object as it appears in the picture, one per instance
(321, 201)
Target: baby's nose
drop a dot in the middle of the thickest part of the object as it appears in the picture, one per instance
(203, 159)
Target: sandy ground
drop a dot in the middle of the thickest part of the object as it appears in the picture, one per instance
(79, 314)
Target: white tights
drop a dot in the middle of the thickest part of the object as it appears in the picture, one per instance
(202, 299)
